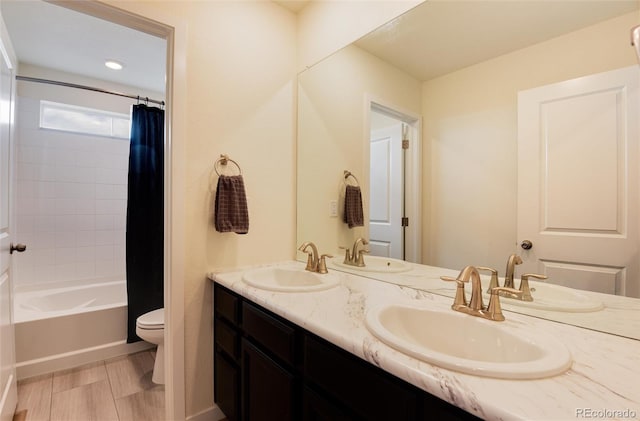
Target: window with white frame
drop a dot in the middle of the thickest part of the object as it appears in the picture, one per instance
(72, 118)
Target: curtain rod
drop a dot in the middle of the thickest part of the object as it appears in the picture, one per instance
(88, 88)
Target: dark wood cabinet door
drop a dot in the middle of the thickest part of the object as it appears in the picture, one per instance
(267, 389)
(226, 387)
(317, 408)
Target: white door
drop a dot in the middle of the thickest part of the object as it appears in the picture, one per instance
(386, 202)
(578, 181)
(8, 397)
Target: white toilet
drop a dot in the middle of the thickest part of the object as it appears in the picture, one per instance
(150, 327)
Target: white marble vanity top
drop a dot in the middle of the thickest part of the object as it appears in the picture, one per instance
(603, 382)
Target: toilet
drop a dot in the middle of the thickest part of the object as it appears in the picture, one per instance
(150, 327)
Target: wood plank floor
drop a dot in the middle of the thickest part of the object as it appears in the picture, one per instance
(119, 389)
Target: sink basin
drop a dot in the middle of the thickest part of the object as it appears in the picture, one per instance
(468, 344)
(555, 298)
(289, 280)
(376, 264)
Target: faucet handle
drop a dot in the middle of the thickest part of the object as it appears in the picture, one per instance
(494, 309)
(347, 254)
(524, 285)
(494, 277)
(360, 261)
(322, 263)
(460, 300)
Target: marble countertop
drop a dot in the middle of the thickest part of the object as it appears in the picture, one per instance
(601, 384)
(620, 315)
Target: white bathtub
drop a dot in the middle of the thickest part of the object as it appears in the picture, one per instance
(67, 326)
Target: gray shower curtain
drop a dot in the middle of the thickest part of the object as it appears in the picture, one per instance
(145, 215)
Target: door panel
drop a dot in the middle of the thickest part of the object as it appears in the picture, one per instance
(385, 213)
(8, 397)
(603, 279)
(578, 181)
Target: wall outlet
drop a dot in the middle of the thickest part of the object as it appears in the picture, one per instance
(333, 208)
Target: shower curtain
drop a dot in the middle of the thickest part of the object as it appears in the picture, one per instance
(145, 215)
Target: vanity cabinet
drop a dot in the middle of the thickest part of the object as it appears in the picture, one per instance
(267, 368)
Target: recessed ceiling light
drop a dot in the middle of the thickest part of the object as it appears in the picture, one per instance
(114, 65)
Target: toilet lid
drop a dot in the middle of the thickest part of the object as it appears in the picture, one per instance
(151, 320)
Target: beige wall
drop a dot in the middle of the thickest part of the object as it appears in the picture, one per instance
(470, 126)
(240, 100)
(240, 86)
(333, 136)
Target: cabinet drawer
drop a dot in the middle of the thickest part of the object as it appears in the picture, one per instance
(226, 304)
(226, 338)
(354, 381)
(277, 337)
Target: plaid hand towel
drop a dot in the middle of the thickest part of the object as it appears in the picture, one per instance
(353, 214)
(231, 213)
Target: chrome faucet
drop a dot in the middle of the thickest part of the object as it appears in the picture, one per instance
(513, 260)
(314, 263)
(355, 257)
(476, 307)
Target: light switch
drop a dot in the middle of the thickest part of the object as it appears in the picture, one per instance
(333, 208)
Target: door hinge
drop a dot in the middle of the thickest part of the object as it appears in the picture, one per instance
(405, 143)
(405, 221)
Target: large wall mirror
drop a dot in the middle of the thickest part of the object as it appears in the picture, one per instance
(521, 120)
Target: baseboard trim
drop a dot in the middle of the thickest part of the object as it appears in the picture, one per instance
(66, 360)
(212, 413)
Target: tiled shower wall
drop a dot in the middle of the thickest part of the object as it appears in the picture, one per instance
(71, 202)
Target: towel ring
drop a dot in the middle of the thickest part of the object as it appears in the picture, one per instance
(224, 160)
(348, 174)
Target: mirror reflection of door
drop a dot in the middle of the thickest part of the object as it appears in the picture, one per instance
(386, 201)
(578, 181)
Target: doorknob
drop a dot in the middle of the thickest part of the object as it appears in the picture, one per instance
(18, 247)
(526, 244)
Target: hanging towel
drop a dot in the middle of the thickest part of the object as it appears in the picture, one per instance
(231, 213)
(353, 214)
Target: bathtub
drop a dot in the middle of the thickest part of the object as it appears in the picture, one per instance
(70, 325)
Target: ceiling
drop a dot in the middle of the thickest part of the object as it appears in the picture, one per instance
(435, 38)
(441, 36)
(51, 36)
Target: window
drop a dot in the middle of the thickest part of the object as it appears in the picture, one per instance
(71, 118)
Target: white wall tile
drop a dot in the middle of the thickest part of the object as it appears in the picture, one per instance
(64, 272)
(65, 206)
(44, 256)
(46, 189)
(44, 223)
(64, 223)
(85, 206)
(85, 254)
(85, 270)
(44, 240)
(65, 240)
(65, 255)
(71, 202)
(86, 222)
(105, 252)
(105, 222)
(86, 158)
(85, 238)
(25, 225)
